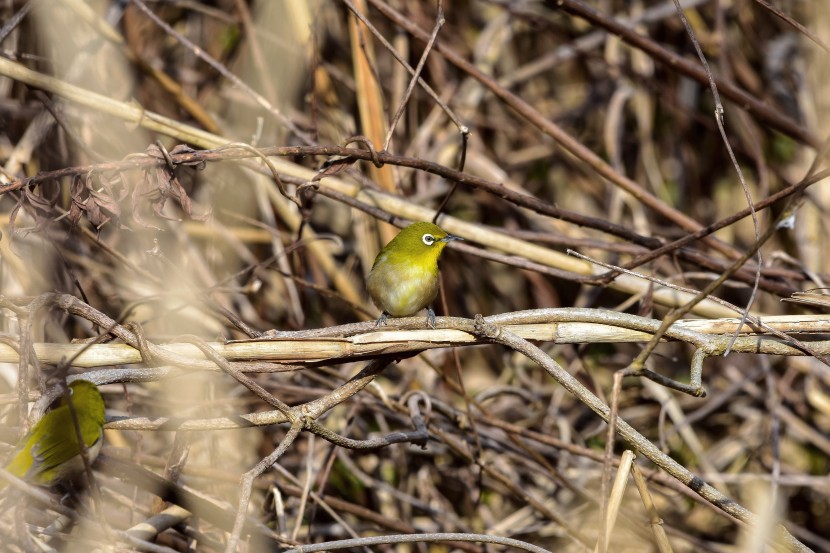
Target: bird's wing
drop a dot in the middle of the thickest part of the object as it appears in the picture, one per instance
(58, 444)
(21, 463)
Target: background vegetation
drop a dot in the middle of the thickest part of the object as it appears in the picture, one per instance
(592, 128)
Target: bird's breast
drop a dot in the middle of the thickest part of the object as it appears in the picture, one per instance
(402, 289)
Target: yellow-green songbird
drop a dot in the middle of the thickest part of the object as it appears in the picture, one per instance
(50, 452)
(404, 276)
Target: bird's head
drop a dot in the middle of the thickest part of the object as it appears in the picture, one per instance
(420, 242)
(87, 400)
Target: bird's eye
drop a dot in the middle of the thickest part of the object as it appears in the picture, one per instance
(428, 239)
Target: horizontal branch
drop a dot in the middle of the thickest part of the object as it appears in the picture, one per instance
(409, 335)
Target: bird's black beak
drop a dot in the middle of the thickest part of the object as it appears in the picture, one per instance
(450, 238)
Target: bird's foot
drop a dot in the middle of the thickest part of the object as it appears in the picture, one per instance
(382, 319)
(430, 317)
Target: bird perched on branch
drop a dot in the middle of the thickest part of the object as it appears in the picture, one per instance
(50, 452)
(404, 276)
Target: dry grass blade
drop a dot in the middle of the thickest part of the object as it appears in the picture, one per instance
(615, 500)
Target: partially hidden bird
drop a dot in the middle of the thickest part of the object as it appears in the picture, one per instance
(404, 276)
(50, 453)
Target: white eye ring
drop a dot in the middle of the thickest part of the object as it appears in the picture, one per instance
(428, 239)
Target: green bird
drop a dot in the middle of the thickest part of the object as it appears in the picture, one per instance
(50, 452)
(404, 276)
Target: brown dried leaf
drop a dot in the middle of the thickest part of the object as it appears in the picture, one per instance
(164, 184)
(333, 166)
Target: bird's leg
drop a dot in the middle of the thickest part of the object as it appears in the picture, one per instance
(430, 317)
(382, 319)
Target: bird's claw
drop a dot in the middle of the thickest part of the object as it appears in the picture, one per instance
(430, 317)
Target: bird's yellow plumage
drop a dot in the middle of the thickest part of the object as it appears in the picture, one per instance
(50, 452)
(404, 276)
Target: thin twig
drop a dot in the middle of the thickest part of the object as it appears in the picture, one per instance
(437, 99)
(247, 483)
(439, 22)
(224, 71)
